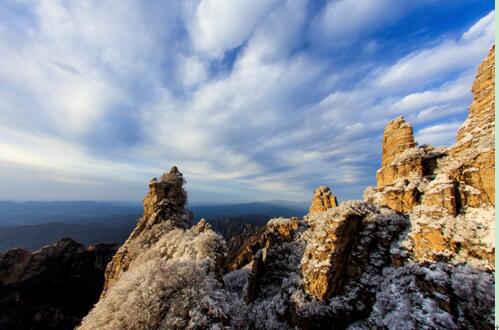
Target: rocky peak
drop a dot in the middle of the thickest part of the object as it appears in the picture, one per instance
(165, 195)
(166, 275)
(473, 161)
(480, 124)
(164, 209)
(323, 200)
(448, 193)
(398, 136)
(452, 178)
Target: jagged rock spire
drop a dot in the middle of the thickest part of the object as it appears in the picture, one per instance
(166, 194)
(164, 206)
(323, 200)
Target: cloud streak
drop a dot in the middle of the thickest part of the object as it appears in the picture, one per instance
(253, 100)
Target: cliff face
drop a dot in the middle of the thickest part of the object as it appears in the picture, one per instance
(417, 253)
(52, 288)
(447, 192)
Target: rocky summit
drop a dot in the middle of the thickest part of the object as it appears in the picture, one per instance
(416, 253)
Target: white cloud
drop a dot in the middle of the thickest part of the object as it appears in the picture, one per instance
(444, 133)
(447, 99)
(276, 121)
(280, 31)
(342, 22)
(74, 66)
(192, 71)
(219, 25)
(433, 64)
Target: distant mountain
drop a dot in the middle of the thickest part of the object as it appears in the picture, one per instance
(79, 212)
(32, 225)
(34, 237)
(267, 209)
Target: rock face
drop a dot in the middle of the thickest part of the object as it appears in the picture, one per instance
(275, 230)
(476, 140)
(323, 268)
(448, 192)
(398, 137)
(52, 288)
(403, 166)
(165, 200)
(323, 200)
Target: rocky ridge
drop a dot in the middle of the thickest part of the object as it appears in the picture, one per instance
(417, 253)
(448, 193)
(52, 288)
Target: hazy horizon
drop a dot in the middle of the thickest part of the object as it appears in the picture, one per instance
(136, 203)
(265, 106)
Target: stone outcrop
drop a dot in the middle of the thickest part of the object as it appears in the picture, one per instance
(404, 166)
(324, 262)
(257, 271)
(448, 192)
(452, 178)
(167, 274)
(256, 250)
(475, 145)
(323, 200)
(165, 200)
(276, 230)
(398, 137)
(52, 288)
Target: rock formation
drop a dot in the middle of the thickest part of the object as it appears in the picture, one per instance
(163, 210)
(275, 230)
(447, 192)
(323, 268)
(166, 275)
(323, 200)
(52, 288)
(416, 254)
(475, 145)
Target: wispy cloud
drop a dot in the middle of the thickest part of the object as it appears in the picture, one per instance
(252, 99)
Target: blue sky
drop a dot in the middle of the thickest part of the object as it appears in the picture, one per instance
(252, 99)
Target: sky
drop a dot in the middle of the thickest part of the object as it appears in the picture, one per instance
(253, 100)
